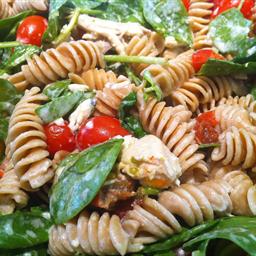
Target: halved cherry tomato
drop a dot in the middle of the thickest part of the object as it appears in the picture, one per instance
(59, 137)
(97, 130)
(205, 128)
(186, 4)
(1, 173)
(221, 6)
(31, 30)
(200, 57)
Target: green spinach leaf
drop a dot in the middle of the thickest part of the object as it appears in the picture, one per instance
(128, 121)
(229, 32)
(3, 128)
(58, 107)
(24, 229)
(56, 89)
(79, 184)
(8, 92)
(169, 18)
(40, 250)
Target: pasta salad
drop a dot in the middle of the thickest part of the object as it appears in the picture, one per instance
(128, 127)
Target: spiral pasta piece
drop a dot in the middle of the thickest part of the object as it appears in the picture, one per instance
(95, 78)
(53, 64)
(109, 99)
(5, 9)
(94, 235)
(28, 147)
(199, 91)
(147, 45)
(193, 204)
(242, 191)
(23, 5)
(174, 74)
(199, 19)
(237, 147)
(11, 194)
(172, 125)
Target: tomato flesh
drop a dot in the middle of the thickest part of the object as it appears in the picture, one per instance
(1, 174)
(205, 128)
(186, 4)
(31, 30)
(97, 130)
(59, 137)
(221, 6)
(200, 57)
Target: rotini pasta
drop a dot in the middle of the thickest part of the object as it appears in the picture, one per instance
(28, 148)
(57, 63)
(23, 5)
(172, 125)
(94, 235)
(11, 194)
(5, 9)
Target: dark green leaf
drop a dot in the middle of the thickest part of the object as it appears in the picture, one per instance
(253, 92)
(229, 32)
(79, 184)
(127, 103)
(23, 229)
(40, 250)
(177, 240)
(8, 92)
(152, 88)
(10, 23)
(169, 18)
(87, 4)
(202, 249)
(130, 74)
(123, 11)
(239, 230)
(58, 107)
(56, 89)
(3, 128)
(211, 145)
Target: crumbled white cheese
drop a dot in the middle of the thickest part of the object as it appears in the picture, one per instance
(59, 121)
(78, 87)
(82, 112)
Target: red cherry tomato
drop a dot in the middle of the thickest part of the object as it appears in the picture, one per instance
(205, 128)
(186, 4)
(59, 137)
(1, 173)
(221, 6)
(200, 57)
(31, 30)
(97, 130)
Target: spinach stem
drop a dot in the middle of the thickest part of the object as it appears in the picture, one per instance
(10, 44)
(67, 29)
(135, 59)
(240, 5)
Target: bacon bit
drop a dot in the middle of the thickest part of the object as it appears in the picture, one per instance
(205, 128)
(1, 174)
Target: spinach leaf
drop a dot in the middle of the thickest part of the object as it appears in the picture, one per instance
(229, 32)
(169, 18)
(253, 92)
(128, 121)
(23, 229)
(40, 250)
(202, 249)
(239, 230)
(8, 92)
(123, 11)
(3, 128)
(79, 184)
(58, 107)
(151, 88)
(56, 89)
(10, 23)
(131, 75)
(178, 239)
(214, 67)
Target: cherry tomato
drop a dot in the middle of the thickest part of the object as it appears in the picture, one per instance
(186, 4)
(97, 130)
(1, 174)
(200, 57)
(59, 137)
(31, 30)
(221, 6)
(205, 128)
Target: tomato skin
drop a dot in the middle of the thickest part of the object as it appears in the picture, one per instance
(31, 30)
(205, 128)
(201, 56)
(97, 130)
(186, 4)
(1, 173)
(221, 6)
(59, 137)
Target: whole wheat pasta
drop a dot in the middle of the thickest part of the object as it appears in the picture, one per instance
(5, 9)
(172, 125)
(11, 194)
(53, 64)
(95, 78)
(94, 234)
(28, 148)
(23, 5)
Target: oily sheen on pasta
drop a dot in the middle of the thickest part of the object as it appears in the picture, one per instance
(27, 140)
